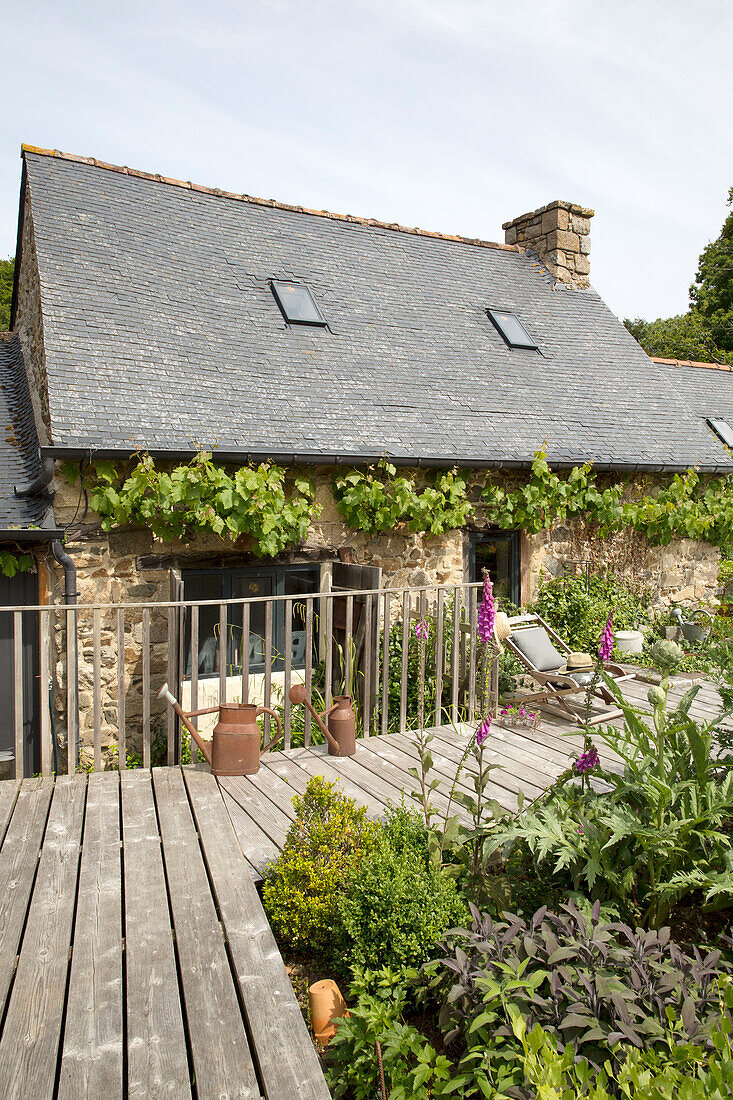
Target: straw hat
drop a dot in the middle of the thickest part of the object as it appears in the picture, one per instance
(502, 629)
(578, 662)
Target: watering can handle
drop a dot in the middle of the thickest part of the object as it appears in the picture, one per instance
(266, 710)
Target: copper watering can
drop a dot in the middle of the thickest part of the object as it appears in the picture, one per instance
(339, 727)
(235, 748)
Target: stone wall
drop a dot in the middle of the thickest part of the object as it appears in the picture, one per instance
(128, 566)
(559, 234)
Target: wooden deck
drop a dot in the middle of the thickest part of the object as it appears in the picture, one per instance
(261, 808)
(135, 957)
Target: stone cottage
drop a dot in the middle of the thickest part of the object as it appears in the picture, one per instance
(159, 316)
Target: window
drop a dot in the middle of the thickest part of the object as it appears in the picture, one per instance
(512, 330)
(232, 584)
(297, 304)
(723, 430)
(499, 553)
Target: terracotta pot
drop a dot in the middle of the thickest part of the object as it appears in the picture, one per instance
(327, 1006)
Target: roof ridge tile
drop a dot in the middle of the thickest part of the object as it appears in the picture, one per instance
(371, 223)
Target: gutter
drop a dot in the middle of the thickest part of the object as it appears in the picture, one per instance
(291, 458)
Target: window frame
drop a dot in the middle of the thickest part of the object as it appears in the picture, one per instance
(275, 283)
(515, 562)
(228, 575)
(491, 312)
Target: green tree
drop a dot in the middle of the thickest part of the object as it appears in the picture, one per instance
(705, 332)
(712, 292)
(683, 337)
(7, 268)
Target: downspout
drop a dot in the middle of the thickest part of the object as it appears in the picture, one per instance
(70, 597)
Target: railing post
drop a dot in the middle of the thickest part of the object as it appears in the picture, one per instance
(439, 655)
(348, 634)
(308, 665)
(72, 701)
(97, 674)
(194, 674)
(18, 693)
(146, 687)
(223, 653)
(268, 664)
(406, 612)
(387, 613)
(455, 651)
(171, 724)
(245, 653)
(472, 655)
(121, 692)
(288, 674)
(368, 664)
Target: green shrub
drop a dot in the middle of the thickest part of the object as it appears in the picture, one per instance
(325, 843)
(412, 1068)
(577, 607)
(398, 902)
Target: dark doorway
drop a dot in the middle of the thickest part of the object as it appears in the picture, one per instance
(497, 551)
(16, 591)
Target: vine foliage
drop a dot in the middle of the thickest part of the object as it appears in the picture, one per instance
(377, 499)
(203, 496)
(12, 563)
(687, 507)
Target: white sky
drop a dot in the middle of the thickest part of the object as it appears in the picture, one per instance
(453, 115)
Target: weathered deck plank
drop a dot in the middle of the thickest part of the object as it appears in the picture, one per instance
(156, 1044)
(287, 1061)
(221, 1056)
(32, 1031)
(18, 864)
(91, 1064)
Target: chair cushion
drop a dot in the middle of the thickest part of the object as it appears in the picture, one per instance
(534, 642)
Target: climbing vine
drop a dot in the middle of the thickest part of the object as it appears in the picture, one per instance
(203, 496)
(377, 499)
(685, 508)
(11, 563)
(275, 511)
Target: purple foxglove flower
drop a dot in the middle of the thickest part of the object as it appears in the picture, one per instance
(421, 630)
(483, 731)
(580, 830)
(604, 653)
(487, 612)
(587, 760)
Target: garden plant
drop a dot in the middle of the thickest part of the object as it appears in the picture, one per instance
(576, 947)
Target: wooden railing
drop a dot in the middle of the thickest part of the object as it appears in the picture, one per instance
(82, 681)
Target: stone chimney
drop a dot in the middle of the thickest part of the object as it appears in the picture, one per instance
(560, 235)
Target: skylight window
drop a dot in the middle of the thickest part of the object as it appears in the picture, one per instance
(297, 304)
(723, 430)
(512, 330)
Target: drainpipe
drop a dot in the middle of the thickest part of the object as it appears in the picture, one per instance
(70, 595)
(44, 478)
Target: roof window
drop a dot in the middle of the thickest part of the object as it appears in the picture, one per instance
(723, 430)
(297, 304)
(511, 329)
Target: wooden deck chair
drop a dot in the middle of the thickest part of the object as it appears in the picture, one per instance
(544, 654)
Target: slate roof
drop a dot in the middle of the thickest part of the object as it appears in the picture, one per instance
(19, 459)
(161, 332)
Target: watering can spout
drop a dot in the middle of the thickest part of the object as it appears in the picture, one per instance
(337, 724)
